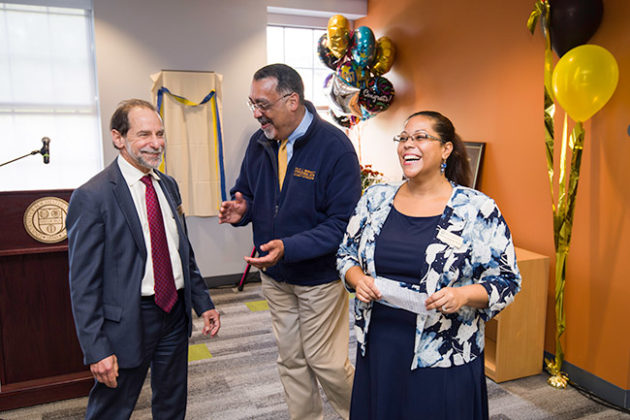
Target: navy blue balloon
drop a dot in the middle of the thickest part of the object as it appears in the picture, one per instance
(326, 55)
(573, 23)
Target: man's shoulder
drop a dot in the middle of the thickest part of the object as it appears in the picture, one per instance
(101, 179)
(257, 142)
(96, 191)
(166, 178)
(331, 138)
(331, 130)
(258, 137)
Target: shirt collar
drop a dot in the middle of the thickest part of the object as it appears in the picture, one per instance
(302, 127)
(131, 174)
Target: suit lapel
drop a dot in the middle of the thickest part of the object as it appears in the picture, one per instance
(127, 207)
(173, 205)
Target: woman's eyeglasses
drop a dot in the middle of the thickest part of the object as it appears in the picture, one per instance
(417, 137)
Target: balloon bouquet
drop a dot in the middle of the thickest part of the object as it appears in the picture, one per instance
(583, 80)
(356, 89)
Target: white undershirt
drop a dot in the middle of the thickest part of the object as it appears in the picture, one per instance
(138, 193)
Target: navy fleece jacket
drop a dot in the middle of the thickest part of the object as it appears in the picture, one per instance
(310, 214)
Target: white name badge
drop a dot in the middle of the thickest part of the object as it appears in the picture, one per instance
(450, 238)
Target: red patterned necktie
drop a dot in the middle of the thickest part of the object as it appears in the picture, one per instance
(164, 283)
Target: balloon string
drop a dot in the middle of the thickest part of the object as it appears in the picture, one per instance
(358, 134)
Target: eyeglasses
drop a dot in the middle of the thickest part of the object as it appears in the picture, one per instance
(265, 106)
(417, 137)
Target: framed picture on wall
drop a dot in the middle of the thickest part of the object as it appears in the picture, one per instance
(475, 157)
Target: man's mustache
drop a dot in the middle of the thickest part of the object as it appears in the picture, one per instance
(152, 150)
(264, 120)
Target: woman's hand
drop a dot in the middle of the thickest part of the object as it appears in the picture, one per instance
(450, 299)
(363, 285)
(365, 289)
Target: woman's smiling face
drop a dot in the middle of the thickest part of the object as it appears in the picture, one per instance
(422, 153)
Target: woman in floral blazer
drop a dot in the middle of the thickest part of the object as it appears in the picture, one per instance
(436, 237)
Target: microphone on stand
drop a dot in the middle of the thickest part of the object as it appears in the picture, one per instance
(45, 150)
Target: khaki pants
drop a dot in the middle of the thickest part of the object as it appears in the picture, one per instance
(311, 327)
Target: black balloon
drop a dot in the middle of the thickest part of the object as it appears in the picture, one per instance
(347, 121)
(342, 120)
(325, 54)
(573, 23)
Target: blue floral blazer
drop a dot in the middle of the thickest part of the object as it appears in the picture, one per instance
(472, 245)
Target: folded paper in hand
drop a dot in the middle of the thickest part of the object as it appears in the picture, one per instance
(401, 297)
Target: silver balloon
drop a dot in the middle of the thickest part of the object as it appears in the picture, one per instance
(341, 94)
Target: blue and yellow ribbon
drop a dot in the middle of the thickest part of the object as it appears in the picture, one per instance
(218, 140)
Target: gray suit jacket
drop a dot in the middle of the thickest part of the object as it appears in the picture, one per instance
(107, 256)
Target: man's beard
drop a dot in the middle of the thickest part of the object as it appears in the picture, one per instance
(269, 131)
(141, 160)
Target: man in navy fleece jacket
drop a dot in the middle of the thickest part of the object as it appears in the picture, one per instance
(298, 224)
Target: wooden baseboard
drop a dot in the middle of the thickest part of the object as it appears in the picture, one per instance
(39, 391)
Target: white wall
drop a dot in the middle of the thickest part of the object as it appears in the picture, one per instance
(137, 38)
(351, 9)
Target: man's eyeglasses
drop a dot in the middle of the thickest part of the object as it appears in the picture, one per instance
(417, 137)
(265, 106)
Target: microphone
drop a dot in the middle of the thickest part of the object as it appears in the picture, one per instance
(45, 150)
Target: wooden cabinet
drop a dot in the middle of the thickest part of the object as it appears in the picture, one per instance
(515, 338)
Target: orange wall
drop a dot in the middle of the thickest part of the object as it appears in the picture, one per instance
(477, 63)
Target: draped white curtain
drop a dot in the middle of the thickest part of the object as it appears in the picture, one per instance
(192, 153)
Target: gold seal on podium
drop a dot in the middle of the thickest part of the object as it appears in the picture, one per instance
(45, 220)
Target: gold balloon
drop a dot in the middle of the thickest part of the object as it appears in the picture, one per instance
(385, 53)
(338, 35)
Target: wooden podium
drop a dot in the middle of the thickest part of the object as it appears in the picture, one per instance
(40, 357)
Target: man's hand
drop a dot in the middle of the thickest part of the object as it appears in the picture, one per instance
(211, 322)
(233, 211)
(275, 249)
(106, 371)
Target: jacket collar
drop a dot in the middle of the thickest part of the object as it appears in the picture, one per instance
(301, 139)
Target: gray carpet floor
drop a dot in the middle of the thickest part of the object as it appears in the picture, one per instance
(240, 380)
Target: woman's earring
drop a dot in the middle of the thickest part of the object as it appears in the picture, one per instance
(443, 167)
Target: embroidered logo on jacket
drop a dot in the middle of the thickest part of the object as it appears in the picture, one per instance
(304, 173)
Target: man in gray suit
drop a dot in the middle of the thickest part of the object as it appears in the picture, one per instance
(133, 275)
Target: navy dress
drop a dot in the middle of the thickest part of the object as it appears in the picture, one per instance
(385, 387)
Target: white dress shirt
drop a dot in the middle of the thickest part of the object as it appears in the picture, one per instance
(138, 193)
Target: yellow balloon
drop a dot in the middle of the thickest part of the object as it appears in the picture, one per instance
(338, 35)
(385, 53)
(584, 80)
